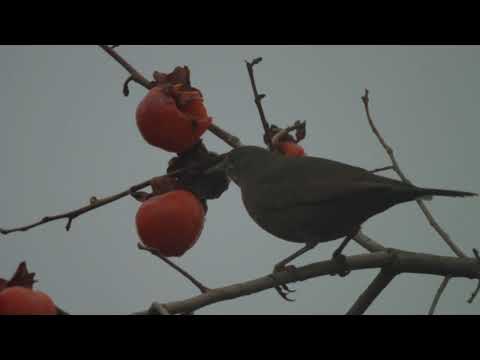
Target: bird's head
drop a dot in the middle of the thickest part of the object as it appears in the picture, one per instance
(243, 162)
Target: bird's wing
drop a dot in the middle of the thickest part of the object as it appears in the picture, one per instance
(320, 181)
(310, 192)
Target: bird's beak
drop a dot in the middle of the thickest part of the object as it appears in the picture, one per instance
(220, 166)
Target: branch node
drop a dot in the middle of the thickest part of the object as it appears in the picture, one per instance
(158, 309)
(69, 224)
(475, 252)
(256, 61)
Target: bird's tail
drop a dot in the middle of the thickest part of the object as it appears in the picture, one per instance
(428, 193)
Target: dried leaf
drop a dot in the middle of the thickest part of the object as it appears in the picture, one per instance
(163, 184)
(197, 159)
(180, 75)
(300, 132)
(22, 277)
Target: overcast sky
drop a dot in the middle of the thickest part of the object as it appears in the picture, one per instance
(68, 133)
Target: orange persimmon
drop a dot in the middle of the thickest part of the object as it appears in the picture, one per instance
(170, 223)
(19, 300)
(171, 118)
(291, 149)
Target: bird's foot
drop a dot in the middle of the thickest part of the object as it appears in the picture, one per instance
(283, 290)
(342, 261)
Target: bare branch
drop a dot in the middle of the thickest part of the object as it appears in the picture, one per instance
(438, 294)
(71, 215)
(194, 281)
(380, 282)
(228, 138)
(382, 169)
(396, 167)
(258, 101)
(367, 243)
(396, 261)
(95, 203)
(135, 75)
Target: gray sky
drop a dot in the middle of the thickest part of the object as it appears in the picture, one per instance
(67, 133)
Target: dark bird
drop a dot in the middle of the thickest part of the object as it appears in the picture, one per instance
(311, 200)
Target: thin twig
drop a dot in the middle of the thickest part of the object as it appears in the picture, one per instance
(396, 168)
(228, 138)
(380, 282)
(382, 169)
(438, 294)
(258, 101)
(194, 281)
(474, 293)
(136, 76)
(71, 215)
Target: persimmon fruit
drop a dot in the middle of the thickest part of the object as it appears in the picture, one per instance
(171, 118)
(19, 300)
(291, 149)
(171, 223)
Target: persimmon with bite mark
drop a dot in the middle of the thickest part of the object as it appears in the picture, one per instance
(170, 223)
(291, 149)
(171, 118)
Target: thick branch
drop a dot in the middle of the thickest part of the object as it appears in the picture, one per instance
(438, 294)
(397, 262)
(396, 168)
(371, 292)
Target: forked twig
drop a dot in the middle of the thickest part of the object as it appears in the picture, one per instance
(396, 168)
(258, 101)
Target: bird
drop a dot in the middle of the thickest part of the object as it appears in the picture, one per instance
(312, 200)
